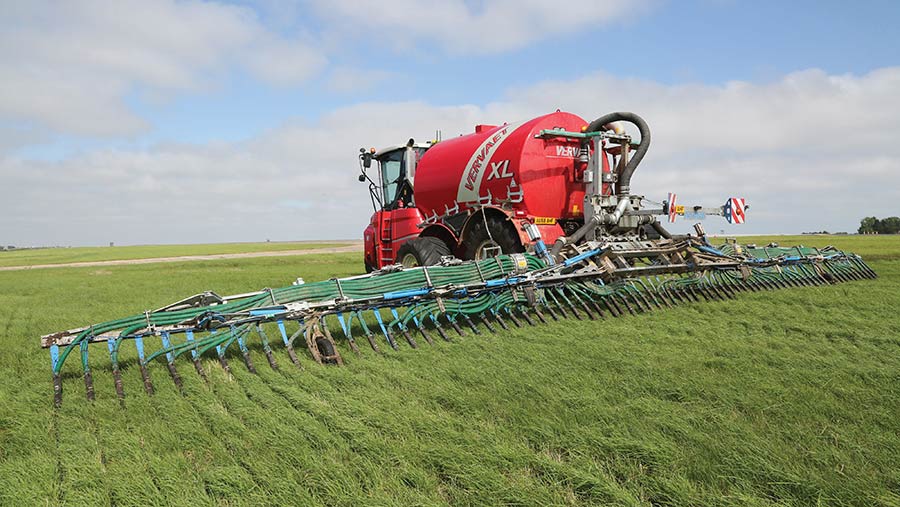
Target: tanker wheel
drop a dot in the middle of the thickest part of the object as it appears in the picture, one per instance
(502, 239)
(422, 251)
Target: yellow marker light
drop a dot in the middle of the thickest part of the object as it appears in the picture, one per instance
(372, 151)
(584, 128)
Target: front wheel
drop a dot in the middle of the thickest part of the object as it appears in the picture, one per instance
(422, 251)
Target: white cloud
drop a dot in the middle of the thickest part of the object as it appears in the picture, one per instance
(460, 26)
(69, 66)
(808, 151)
(354, 80)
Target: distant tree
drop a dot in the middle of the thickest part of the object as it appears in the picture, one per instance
(868, 225)
(872, 225)
(890, 225)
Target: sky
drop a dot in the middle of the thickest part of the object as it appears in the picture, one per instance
(148, 122)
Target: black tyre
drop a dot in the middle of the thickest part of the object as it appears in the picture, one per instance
(422, 251)
(326, 349)
(479, 244)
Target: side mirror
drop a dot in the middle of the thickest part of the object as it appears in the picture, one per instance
(362, 178)
(366, 157)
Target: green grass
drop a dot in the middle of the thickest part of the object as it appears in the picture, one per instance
(97, 253)
(788, 397)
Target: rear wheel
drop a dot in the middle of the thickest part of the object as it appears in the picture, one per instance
(422, 251)
(499, 236)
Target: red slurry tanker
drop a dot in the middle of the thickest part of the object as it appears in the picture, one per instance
(494, 190)
(496, 193)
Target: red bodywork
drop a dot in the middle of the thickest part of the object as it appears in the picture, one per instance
(505, 167)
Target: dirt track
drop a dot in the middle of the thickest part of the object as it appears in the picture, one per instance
(353, 247)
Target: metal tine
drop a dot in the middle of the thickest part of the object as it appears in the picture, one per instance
(640, 294)
(865, 267)
(724, 287)
(512, 317)
(88, 377)
(113, 346)
(470, 323)
(195, 357)
(590, 298)
(439, 328)
(404, 330)
(409, 338)
(635, 300)
(596, 306)
(348, 334)
(557, 304)
(540, 315)
(694, 292)
(828, 272)
(639, 299)
(611, 305)
(57, 381)
(454, 325)
(145, 375)
(170, 361)
(571, 306)
(487, 322)
(220, 351)
(590, 308)
(672, 293)
(624, 301)
(789, 277)
(365, 327)
(835, 270)
(549, 309)
(245, 352)
(581, 302)
(649, 293)
(575, 312)
(733, 288)
(853, 272)
(498, 319)
(527, 317)
(266, 348)
(699, 289)
(289, 342)
(385, 330)
(422, 331)
(659, 291)
(714, 291)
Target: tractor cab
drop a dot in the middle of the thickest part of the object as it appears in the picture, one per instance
(392, 188)
(395, 218)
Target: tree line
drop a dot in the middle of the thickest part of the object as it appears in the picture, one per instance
(872, 225)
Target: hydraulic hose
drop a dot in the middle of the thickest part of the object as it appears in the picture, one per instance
(577, 235)
(662, 230)
(624, 185)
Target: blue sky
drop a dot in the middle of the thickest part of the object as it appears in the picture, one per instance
(134, 115)
(709, 41)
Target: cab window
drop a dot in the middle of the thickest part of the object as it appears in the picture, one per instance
(391, 175)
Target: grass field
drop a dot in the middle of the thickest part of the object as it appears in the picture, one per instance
(102, 253)
(788, 397)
